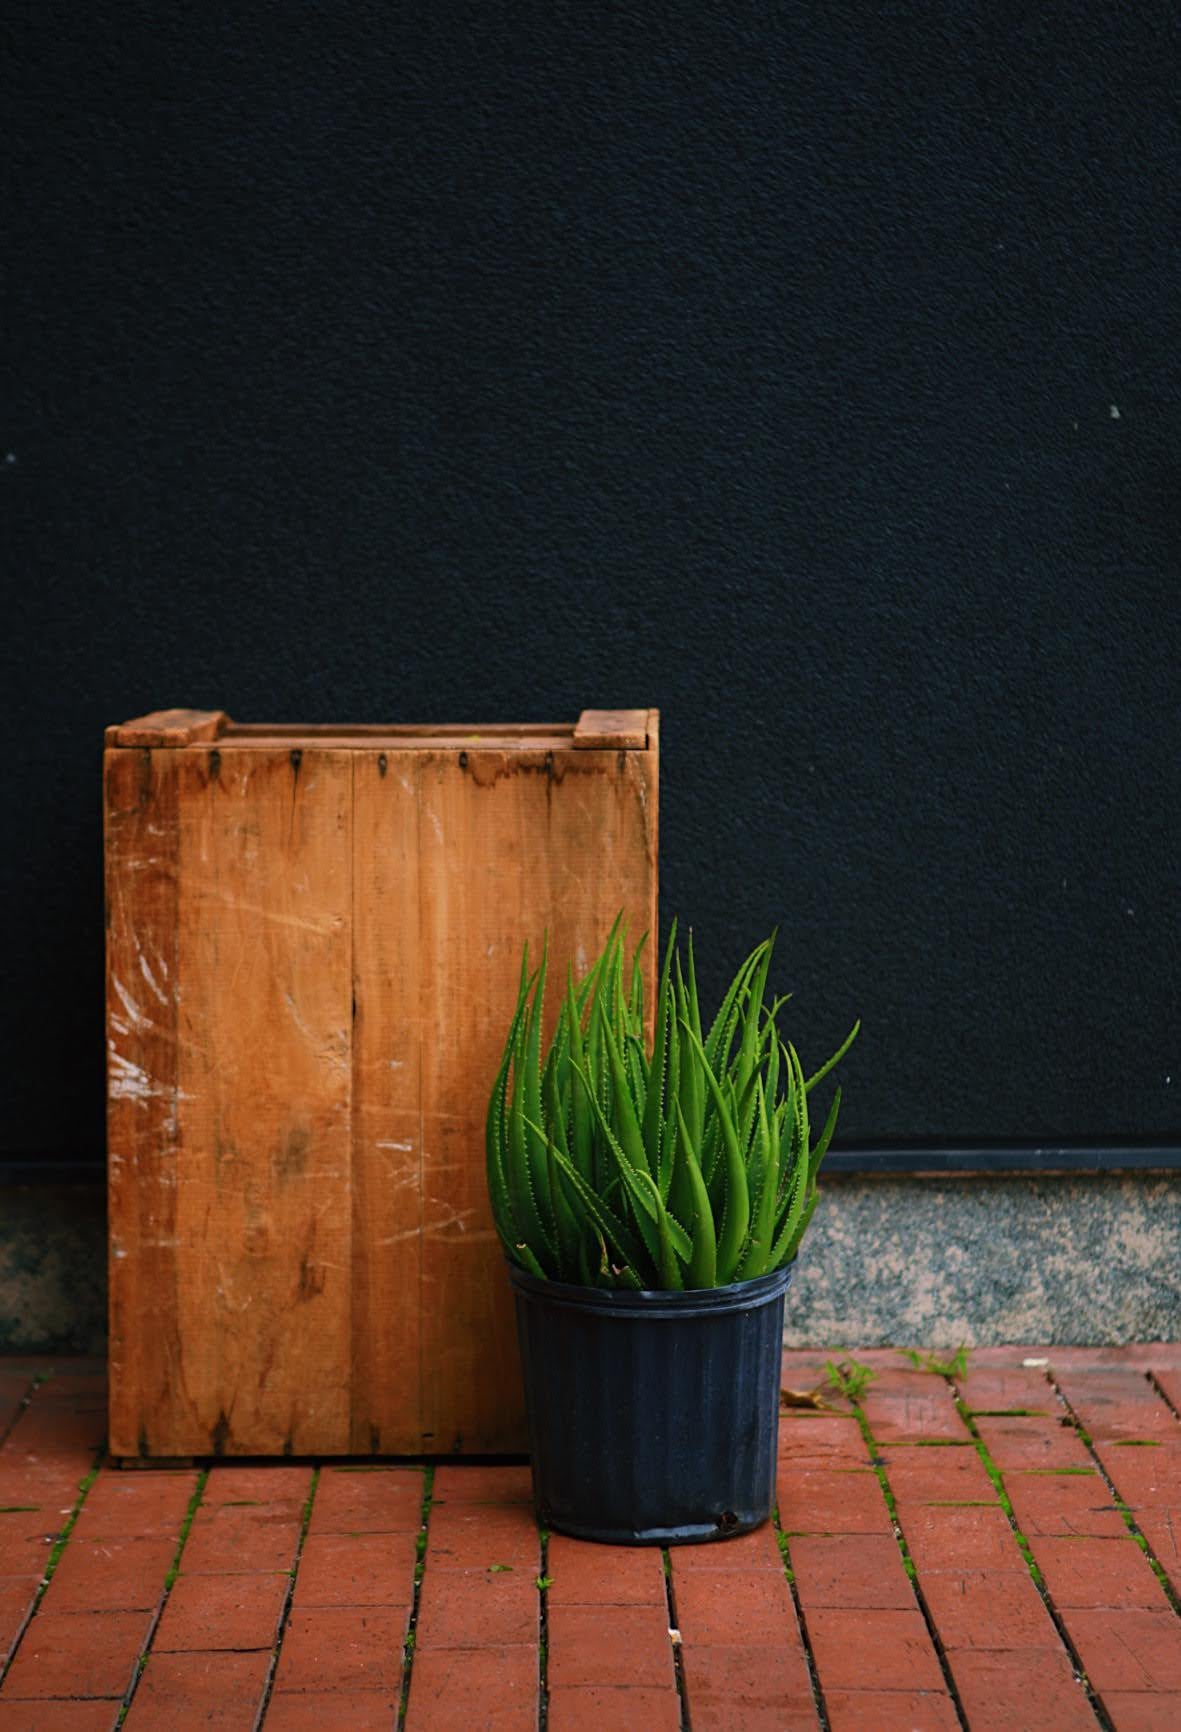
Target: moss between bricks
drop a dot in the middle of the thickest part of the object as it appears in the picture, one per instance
(424, 1516)
(908, 1564)
(783, 1542)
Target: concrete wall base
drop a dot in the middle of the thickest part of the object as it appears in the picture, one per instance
(932, 1262)
(888, 1261)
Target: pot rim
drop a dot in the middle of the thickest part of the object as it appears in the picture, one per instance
(652, 1301)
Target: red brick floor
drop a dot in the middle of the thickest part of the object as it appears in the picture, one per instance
(996, 1551)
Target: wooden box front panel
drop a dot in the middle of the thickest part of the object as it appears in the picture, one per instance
(313, 946)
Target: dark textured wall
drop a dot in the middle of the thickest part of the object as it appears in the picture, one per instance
(814, 376)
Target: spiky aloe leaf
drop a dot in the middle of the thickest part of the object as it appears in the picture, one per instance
(736, 1213)
(691, 1089)
(669, 1134)
(830, 1125)
(801, 1227)
(771, 1080)
(566, 1221)
(838, 1055)
(745, 1111)
(670, 1270)
(495, 1133)
(718, 1042)
(598, 1068)
(530, 1225)
(703, 1263)
(790, 1232)
(581, 1118)
(612, 1229)
(653, 1121)
(643, 1211)
(630, 1134)
(796, 1120)
(636, 993)
(752, 1020)
(757, 1255)
(800, 1096)
(636, 1063)
(523, 1255)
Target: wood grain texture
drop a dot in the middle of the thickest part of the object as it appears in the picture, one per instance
(170, 728)
(303, 1258)
(143, 1121)
(388, 1036)
(264, 955)
(611, 730)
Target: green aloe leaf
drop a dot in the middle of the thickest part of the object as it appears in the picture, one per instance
(691, 1088)
(752, 1020)
(630, 1134)
(790, 1231)
(636, 993)
(653, 1121)
(581, 1119)
(757, 1256)
(838, 1055)
(801, 1227)
(495, 1133)
(669, 1134)
(615, 1231)
(519, 1172)
(830, 1125)
(525, 1257)
(670, 1270)
(644, 1213)
(736, 1215)
(718, 1042)
(703, 1263)
(800, 1096)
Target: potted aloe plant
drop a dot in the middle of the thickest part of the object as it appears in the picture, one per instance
(651, 1199)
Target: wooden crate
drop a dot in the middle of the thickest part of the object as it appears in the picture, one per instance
(313, 942)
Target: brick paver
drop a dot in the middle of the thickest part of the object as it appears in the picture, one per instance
(610, 1650)
(221, 1691)
(1000, 1690)
(954, 1553)
(480, 1581)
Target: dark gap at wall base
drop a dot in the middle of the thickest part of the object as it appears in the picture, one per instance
(1042, 1160)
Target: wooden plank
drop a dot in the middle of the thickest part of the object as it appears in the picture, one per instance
(407, 733)
(170, 728)
(141, 798)
(388, 1038)
(510, 844)
(308, 739)
(264, 1044)
(611, 730)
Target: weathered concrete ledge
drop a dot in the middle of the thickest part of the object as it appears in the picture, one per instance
(1077, 1261)
(53, 1268)
(913, 1261)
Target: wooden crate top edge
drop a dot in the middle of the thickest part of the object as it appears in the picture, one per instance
(599, 730)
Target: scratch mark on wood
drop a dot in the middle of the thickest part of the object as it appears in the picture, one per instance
(129, 1081)
(261, 911)
(138, 1019)
(153, 983)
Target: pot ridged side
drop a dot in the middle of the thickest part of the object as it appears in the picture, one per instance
(652, 1429)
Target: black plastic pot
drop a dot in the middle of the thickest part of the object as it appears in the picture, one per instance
(652, 1416)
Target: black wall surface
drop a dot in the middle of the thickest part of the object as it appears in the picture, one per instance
(811, 373)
